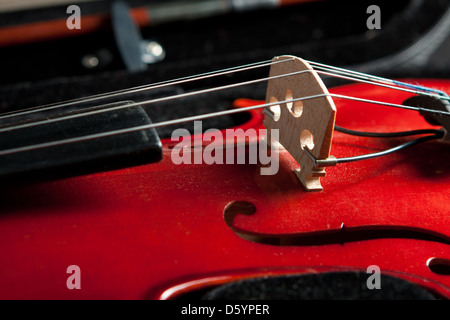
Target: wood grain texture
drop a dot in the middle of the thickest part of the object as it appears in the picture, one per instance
(309, 122)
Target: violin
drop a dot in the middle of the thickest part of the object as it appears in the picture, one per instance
(320, 191)
(180, 224)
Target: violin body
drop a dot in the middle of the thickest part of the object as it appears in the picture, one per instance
(162, 230)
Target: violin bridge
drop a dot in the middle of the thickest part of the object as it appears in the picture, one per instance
(305, 126)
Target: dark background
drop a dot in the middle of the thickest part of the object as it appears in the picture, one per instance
(414, 41)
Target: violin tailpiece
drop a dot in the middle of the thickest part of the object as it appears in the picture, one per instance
(434, 119)
(305, 127)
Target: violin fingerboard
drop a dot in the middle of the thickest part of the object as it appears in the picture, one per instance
(82, 157)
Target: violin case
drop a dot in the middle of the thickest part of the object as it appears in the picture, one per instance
(413, 42)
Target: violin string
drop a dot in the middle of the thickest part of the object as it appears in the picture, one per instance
(394, 105)
(143, 88)
(203, 116)
(149, 126)
(419, 89)
(146, 102)
(180, 120)
(214, 89)
(355, 76)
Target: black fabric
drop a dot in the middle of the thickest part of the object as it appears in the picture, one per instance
(321, 286)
